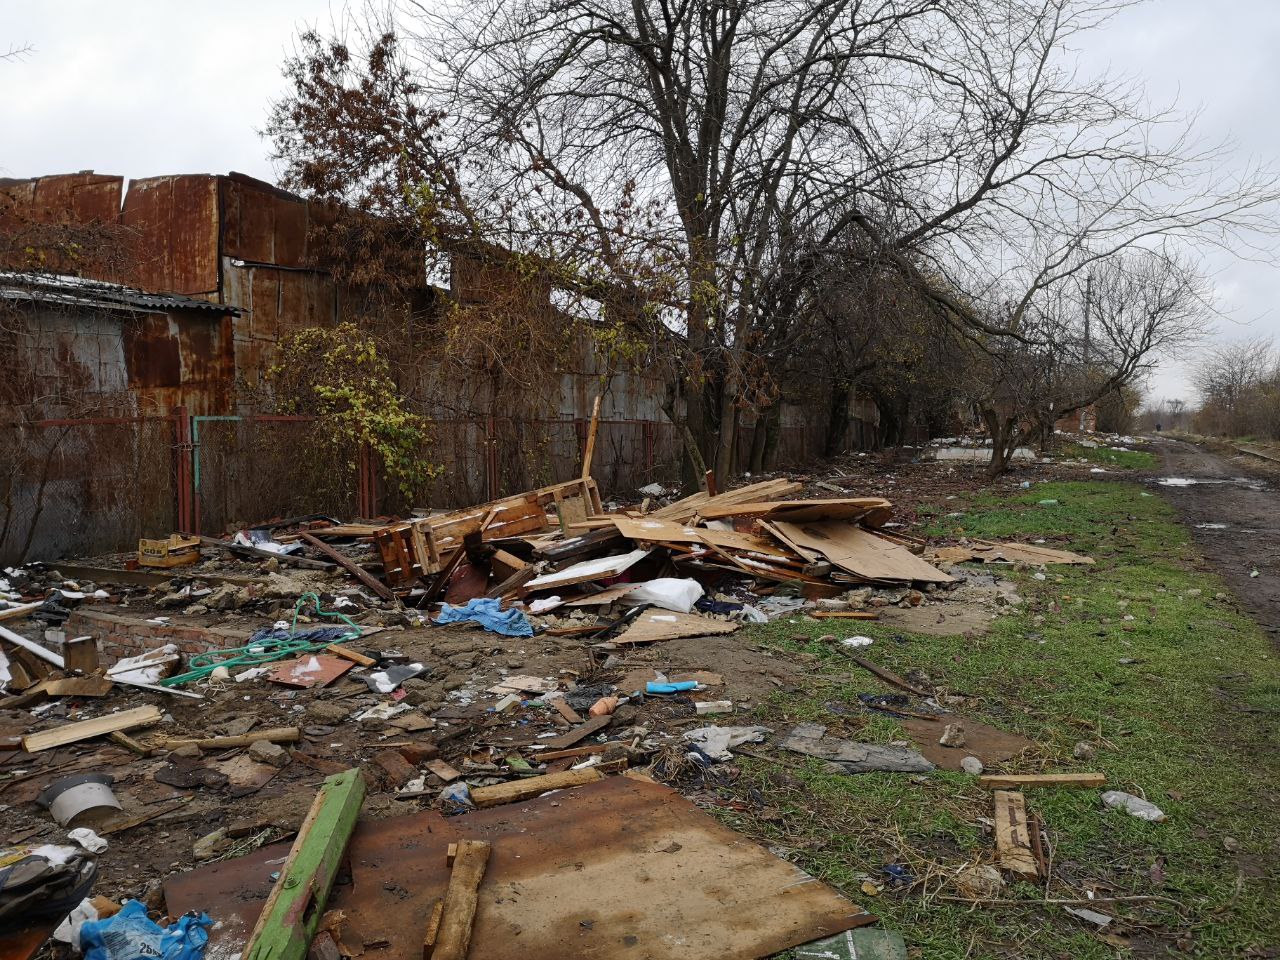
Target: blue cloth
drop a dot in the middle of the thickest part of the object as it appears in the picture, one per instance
(132, 935)
(488, 612)
(652, 687)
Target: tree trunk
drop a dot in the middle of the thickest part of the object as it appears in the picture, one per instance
(759, 436)
(726, 439)
(837, 422)
(1002, 432)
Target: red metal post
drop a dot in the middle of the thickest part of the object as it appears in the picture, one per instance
(184, 472)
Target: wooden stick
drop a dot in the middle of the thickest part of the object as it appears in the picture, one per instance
(292, 913)
(1015, 781)
(266, 554)
(888, 676)
(591, 440)
(518, 790)
(458, 913)
(274, 735)
(353, 568)
(348, 654)
(128, 823)
(21, 610)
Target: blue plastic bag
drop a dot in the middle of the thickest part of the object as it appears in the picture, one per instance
(132, 935)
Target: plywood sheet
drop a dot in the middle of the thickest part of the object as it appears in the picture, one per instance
(861, 552)
(648, 529)
(654, 625)
(989, 552)
(621, 868)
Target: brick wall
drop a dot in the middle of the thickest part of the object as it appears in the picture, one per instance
(119, 637)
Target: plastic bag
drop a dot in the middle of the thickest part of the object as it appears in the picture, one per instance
(669, 593)
(132, 935)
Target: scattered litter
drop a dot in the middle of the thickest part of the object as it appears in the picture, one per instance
(716, 742)
(130, 934)
(1135, 806)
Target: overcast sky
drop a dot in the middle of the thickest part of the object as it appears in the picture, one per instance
(145, 87)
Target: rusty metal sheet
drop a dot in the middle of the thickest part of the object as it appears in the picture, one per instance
(262, 223)
(85, 197)
(176, 223)
(621, 868)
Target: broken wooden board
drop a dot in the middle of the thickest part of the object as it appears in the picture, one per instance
(291, 914)
(87, 729)
(1083, 781)
(872, 511)
(569, 738)
(682, 511)
(76, 687)
(1014, 850)
(861, 552)
(310, 670)
(451, 936)
(654, 625)
(602, 568)
(604, 597)
(516, 790)
(626, 842)
(650, 530)
(379, 588)
(988, 551)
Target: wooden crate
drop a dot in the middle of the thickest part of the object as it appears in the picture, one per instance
(177, 551)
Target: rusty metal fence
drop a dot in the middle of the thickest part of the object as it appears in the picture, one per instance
(79, 488)
(82, 487)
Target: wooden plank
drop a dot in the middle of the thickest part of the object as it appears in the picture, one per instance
(844, 615)
(292, 913)
(87, 729)
(273, 734)
(347, 653)
(1013, 835)
(565, 710)
(442, 770)
(657, 624)
(143, 578)
(353, 568)
(1015, 781)
(453, 936)
(425, 554)
(20, 610)
(124, 740)
(266, 554)
(588, 750)
(684, 510)
(128, 823)
(529, 787)
(571, 737)
(77, 687)
(591, 439)
(598, 569)
(874, 509)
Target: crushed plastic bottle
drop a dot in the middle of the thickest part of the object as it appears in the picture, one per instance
(1135, 806)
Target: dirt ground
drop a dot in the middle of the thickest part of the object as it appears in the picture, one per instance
(1233, 511)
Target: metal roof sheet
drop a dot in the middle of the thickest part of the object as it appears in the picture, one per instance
(78, 291)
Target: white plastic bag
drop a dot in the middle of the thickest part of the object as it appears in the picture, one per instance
(669, 593)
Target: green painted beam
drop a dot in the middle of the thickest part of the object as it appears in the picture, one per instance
(293, 910)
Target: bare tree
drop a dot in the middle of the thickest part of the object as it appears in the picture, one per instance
(1238, 385)
(675, 158)
(1083, 343)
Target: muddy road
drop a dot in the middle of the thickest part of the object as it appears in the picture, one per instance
(1234, 515)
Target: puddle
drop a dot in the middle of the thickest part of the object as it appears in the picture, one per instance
(1209, 481)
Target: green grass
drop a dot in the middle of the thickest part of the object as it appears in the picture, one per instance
(1169, 727)
(1124, 459)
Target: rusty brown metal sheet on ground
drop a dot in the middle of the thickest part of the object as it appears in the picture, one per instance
(621, 868)
(989, 744)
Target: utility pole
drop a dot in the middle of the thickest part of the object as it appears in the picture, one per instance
(1088, 300)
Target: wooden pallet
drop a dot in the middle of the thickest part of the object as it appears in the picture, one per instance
(422, 548)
